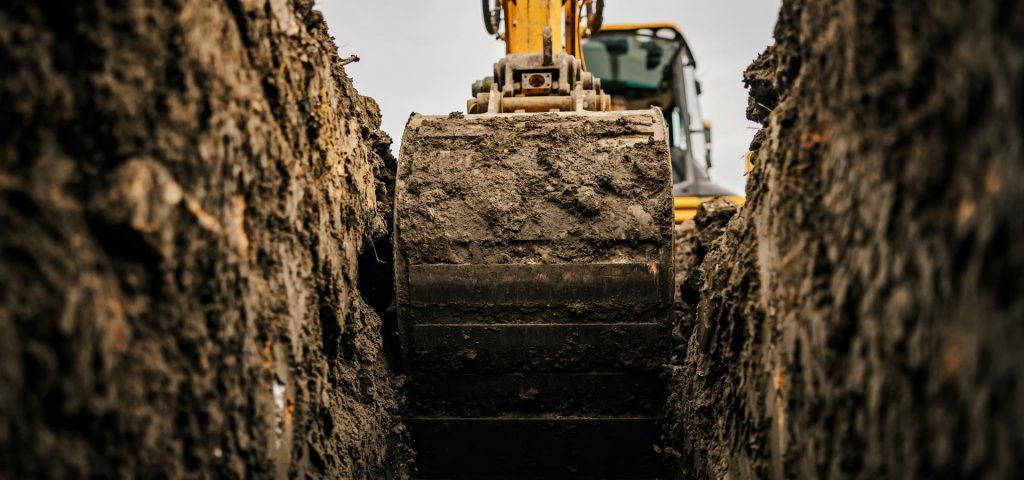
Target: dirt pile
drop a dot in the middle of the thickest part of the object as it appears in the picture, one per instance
(185, 189)
(862, 315)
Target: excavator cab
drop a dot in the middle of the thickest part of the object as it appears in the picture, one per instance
(651, 65)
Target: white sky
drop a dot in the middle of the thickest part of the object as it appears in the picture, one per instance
(423, 55)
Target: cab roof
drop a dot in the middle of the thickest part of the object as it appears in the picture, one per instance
(640, 26)
(630, 27)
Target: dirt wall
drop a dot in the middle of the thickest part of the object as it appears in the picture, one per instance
(862, 315)
(185, 189)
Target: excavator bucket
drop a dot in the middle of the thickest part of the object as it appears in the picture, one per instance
(534, 292)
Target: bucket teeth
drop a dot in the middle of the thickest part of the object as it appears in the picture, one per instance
(534, 290)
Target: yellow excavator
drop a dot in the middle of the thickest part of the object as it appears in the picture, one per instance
(645, 65)
(533, 251)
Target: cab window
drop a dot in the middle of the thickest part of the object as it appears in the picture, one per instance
(631, 60)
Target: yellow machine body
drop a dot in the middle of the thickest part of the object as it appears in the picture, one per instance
(685, 206)
(525, 21)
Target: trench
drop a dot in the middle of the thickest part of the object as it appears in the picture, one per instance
(197, 274)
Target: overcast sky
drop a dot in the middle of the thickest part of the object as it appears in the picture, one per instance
(423, 55)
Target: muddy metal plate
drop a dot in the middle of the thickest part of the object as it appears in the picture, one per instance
(562, 394)
(538, 348)
(537, 447)
(534, 284)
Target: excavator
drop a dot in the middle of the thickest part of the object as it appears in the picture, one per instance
(645, 65)
(533, 250)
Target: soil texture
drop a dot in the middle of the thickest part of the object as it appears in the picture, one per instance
(861, 316)
(185, 190)
(549, 188)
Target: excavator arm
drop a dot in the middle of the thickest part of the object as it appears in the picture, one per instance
(543, 69)
(524, 23)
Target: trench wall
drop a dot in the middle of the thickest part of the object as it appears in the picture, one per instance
(861, 316)
(185, 189)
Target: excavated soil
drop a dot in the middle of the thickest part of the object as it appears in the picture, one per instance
(862, 315)
(185, 190)
(535, 185)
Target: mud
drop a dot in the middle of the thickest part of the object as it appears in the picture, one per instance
(694, 238)
(861, 315)
(497, 190)
(526, 190)
(185, 191)
(502, 180)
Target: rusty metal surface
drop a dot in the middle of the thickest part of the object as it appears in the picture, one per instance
(554, 393)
